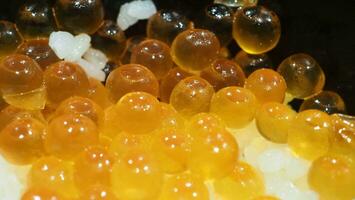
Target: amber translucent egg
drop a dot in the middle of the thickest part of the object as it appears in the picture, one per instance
(21, 141)
(111, 126)
(137, 176)
(10, 113)
(53, 174)
(235, 105)
(249, 62)
(191, 96)
(93, 166)
(169, 81)
(125, 142)
(171, 147)
(131, 78)
(326, 101)
(155, 55)
(131, 43)
(266, 198)
(165, 25)
(267, 85)
(303, 75)
(41, 194)
(35, 19)
(223, 73)
(69, 134)
(171, 118)
(256, 29)
(243, 183)
(138, 113)
(21, 82)
(214, 150)
(310, 133)
(99, 93)
(273, 121)
(217, 18)
(63, 80)
(98, 192)
(82, 106)
(195, 49)
(203, 123)
(19, 74)
(332, 177)
(79, 16)
(237, 3)
(184, 186)
(39, 50)
(343, 142)
(10, 38)
(110, 39)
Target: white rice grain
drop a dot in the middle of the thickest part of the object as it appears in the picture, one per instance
(61, 43)
(96, 57)
(91, 69)
(133, 11)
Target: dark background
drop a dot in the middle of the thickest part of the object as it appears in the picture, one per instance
(325, 29)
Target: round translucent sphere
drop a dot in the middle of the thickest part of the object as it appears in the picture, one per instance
(273, 121)
(303, 75)
(21, 82)
(99, 93)
(21, 141)
(10, 38)
(171, 118)
(39, 50)
(35, 19)
(97, 192)
(243, 183)
(155, 55)
(332, 177)
(223, 73)
(217, 18)
(125, 142)
(82, 106)
(184, 186)
(136, 175)
(267, 85)
(266, 197)
(191, 96)
(69, 134)
(169, 81)
(343, 142)
(79, 16)
(256, 29)
(237, 3)
(214, 150)
(93, 166)
(110, 39)
(138, 113)
(310, 133)
(53, 174)
(326, 101)
(10, 113)
(195, 49)
(165, 25)
(41, 194)
(171, 147)
(250, 63)
(131, 78)
(19, 74)
(63, 80)
(131, 43)
(236, 106)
